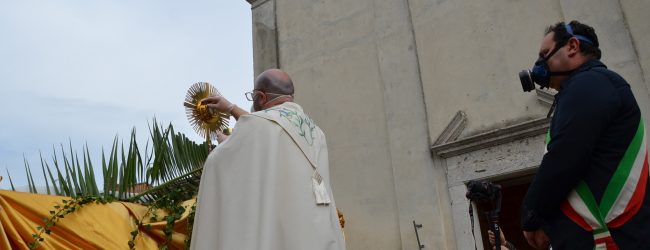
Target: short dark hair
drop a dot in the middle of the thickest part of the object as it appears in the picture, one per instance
(561, 37)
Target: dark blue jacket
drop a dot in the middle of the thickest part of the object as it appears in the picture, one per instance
(595, 119)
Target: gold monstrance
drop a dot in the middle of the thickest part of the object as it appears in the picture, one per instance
(204, 121)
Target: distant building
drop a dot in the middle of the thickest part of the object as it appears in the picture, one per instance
(139, 188)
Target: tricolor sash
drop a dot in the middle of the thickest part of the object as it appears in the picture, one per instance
(621, 200)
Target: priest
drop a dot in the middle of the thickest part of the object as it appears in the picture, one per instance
(267, 185)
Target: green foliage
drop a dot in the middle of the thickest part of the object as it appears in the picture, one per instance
(171, 157)
(10, 181)
(186, 186)
(190, 225)
(172, 203)
(172, 166)
(59, 212)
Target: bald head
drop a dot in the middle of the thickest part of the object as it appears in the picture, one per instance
(274, 81)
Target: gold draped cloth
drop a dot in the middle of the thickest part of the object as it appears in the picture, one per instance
(93, 226)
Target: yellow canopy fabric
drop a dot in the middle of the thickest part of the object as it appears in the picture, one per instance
(93, 226)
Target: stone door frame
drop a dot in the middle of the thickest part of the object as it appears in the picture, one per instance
(505, 153)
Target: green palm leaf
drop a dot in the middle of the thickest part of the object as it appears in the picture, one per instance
(169, 159)
(10, 181)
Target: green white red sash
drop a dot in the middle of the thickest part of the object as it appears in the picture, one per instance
(622, 199)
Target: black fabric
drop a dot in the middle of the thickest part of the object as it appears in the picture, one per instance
(595, 119)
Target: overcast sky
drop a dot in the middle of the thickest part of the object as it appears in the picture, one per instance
(87, 70)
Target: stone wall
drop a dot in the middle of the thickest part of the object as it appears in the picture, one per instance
(384, 80)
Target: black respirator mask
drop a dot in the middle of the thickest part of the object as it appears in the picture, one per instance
(541, 73)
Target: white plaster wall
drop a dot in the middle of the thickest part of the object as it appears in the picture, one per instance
(470, 53)
(264, 36)
(638, 24)
(328, 49)
(356, 71)
(384, 78)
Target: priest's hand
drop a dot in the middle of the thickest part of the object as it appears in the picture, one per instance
(218, 103)
(221, 137)
(537, 239)
(221, 104)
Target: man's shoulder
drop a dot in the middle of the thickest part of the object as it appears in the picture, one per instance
(601, 77)
(594, 80)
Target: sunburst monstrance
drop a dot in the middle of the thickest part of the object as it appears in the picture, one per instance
(204, 121)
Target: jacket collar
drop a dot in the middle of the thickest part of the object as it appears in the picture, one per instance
(593, 63)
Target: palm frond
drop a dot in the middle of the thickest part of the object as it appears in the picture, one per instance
(89, 173)
(56, 189)
(10, 181)
(169, 159)
(187, 183)
(30, 178)
(47, 184)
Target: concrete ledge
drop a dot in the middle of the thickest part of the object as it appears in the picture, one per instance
(255, 3)
(453, 129)
(545, 96)
(492, 138)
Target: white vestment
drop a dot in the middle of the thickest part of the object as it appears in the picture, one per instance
(257, 191)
